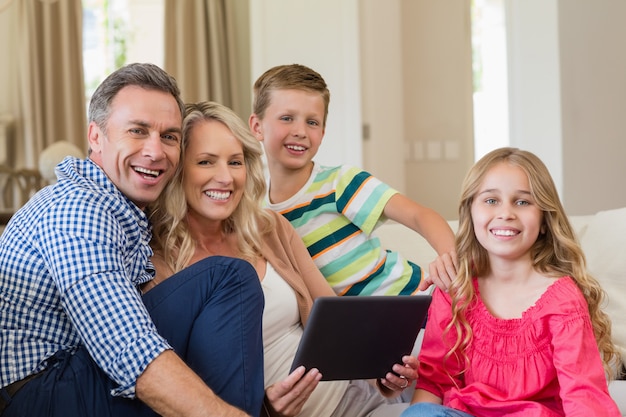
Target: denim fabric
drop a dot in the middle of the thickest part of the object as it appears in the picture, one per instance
(432, 410)
(210, 313)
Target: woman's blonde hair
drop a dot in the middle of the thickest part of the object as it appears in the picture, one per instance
(171, 235)
(556, 251)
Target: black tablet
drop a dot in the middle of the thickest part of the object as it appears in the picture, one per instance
(360, 337)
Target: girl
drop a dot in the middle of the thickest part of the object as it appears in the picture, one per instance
(520, 332)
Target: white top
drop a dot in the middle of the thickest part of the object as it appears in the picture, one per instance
(282, 332)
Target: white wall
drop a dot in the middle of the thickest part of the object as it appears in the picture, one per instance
(437, 102)
(567, 64)
(386, 149)
(593, 96)
(321, 34)
(534, 81)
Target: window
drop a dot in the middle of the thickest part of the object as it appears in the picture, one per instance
(117, 32)
(491, 118)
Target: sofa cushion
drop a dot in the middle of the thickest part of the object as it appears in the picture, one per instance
(604, 244)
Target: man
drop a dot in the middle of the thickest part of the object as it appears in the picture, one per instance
(76, 338)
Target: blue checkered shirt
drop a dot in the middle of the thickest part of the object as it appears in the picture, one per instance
(70, 263)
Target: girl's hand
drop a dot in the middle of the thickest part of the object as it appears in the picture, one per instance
(402, 377)
(287, 397)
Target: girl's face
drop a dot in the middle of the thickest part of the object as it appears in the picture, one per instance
(214, 172)
(506, 219)
(292, 128)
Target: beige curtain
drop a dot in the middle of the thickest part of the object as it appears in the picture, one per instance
(50, 78)
(199, 50)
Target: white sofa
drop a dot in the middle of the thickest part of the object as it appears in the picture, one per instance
(603, 239)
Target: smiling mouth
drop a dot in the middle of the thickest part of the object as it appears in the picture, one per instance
(298, 148)
(505, 233)
(218, 195)
(147, 172)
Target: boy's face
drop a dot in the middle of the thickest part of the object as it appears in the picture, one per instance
(292, 129)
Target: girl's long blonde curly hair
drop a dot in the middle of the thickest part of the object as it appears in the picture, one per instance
(171, 236)
(556, 252)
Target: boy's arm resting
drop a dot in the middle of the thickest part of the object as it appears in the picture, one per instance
(423, 220)
(171, 388)
(435, 230)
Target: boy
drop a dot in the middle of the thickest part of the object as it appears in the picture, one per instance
(335, 209)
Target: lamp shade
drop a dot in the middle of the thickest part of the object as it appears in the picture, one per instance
(53, 154)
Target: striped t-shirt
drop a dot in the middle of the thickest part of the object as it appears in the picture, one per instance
(335, 213)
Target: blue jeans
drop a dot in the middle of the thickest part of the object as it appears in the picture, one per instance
(432, 410)
(211, 315)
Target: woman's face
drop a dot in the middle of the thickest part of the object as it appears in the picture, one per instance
(214, 172)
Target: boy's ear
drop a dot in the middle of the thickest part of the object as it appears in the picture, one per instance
(255, 126)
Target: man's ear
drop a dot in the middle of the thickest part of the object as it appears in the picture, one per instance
(95, 136)
(255, 126)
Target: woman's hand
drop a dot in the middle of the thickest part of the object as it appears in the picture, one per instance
(287, 397)
(402, 377)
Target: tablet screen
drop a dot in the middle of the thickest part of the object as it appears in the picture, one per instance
(360, 337)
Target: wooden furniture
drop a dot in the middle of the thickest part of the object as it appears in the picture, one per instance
(16, 188)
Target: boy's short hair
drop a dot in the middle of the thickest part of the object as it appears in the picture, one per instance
(288, 77)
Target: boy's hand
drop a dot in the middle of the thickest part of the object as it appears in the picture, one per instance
(441, 272)
(287, 397)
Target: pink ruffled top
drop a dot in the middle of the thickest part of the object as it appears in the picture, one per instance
(544, 364)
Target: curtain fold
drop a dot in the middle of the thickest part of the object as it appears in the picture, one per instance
(51, 88)
(199, 40)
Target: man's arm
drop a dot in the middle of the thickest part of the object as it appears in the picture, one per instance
(171, 388)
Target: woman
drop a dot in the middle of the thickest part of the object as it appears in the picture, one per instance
(213, 207)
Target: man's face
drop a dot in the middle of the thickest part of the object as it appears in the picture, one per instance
(140, 148)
